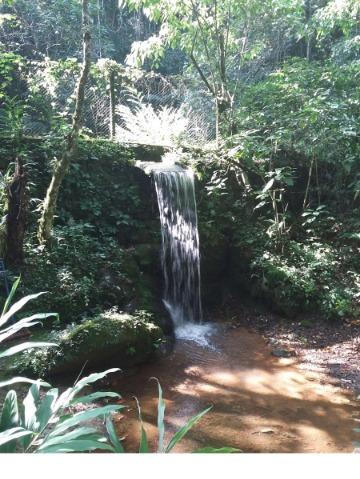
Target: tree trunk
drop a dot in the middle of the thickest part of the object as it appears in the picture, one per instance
(112, 104)
(62, 166)
(217, 123)
(16, 216)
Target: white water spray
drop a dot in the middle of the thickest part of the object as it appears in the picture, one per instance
(180, 245)
(180, 251)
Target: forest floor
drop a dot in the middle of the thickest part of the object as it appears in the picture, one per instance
(331, 347)
(275, 386)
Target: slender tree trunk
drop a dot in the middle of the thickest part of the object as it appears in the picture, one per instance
(16, 215)
(308, 15)
(217, 122)
(308, 183)
(308, 48)
(112, 104)
(62, 166)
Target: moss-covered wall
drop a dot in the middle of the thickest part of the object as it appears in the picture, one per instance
(106, 245)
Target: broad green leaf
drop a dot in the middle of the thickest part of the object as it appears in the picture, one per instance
(46, 408)
(23, 346)
(268, 185)
(64, 399)
(29, 319)
(11, 331)
(9, 419)
(94, 396)
(67, 396)
(185, 429)
(14, 433)
(214, 450)
(19, 379)
(17, 306)
(11, 295)
(115, 441)
(93, 378)
(143, 446)
(30, 403)
(84, 416)
(78, 445)
(160, 417)
(10, 412)
(80, 432)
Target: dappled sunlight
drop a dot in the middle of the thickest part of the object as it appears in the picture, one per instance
(260, 403)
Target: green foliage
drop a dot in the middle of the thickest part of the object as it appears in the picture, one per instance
(11, 66)
(106, 238)
(219, 39)
(81, 272)
(40, 423)
(310, 267)
(341, 16)
(307, 278)
(306, 114)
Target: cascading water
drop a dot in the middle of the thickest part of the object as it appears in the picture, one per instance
(180, 245)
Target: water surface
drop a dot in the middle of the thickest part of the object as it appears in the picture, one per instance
(260, 403)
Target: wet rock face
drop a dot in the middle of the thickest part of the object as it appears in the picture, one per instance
(214, 270)
(113, 338)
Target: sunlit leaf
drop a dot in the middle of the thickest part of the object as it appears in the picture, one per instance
(214, 450)
(17, 306)
(94, 396)
(23, 346)
(185, 429)
(160, 418)
(113, 436)
(19, 379)
(84, 416)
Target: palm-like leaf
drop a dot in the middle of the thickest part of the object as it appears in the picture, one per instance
(141, 123)
(178, 436)
(30, 426)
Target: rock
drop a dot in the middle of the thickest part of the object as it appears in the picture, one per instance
(283, 353)
(113, 339)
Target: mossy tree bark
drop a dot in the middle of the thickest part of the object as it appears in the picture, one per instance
(16, 215)
(62, 165)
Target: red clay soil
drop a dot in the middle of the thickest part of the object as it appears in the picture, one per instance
(261, 403)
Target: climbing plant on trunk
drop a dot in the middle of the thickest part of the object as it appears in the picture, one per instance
(70, 143)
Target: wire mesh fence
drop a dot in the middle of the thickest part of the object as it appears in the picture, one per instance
(153, 109)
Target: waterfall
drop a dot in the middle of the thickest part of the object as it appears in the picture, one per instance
(180, 245)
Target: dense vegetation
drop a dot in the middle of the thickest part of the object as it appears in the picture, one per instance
(260, 97)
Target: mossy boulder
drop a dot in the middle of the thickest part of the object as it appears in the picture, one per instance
(113, 338)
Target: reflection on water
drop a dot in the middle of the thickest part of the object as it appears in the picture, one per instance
(260, 403)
